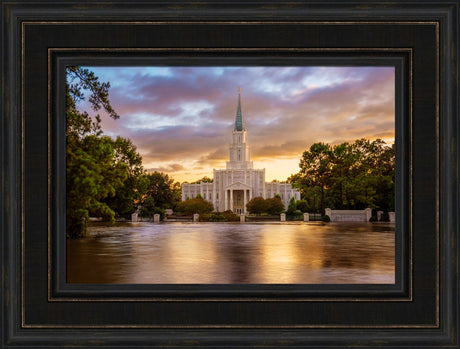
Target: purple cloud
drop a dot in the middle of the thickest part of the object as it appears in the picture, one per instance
(186, 114)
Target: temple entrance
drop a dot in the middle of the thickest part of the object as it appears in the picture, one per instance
(238, 201)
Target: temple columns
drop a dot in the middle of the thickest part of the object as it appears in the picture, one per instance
(231, 200)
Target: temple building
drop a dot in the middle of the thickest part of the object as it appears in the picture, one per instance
(239, 182)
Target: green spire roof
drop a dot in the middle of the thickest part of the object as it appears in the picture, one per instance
(239, 126)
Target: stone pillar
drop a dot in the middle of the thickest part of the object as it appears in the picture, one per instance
(391, 215)
(242, 218)
(328, 212)
(244, 201)
(214, 201)
(368, 214)
(283, 217)
(156, 218)
(379, 215)
(196, 217)
(226, 199)
(231, 200)
(306, 217)
(286, 201)
(264, 185)
(134, 217)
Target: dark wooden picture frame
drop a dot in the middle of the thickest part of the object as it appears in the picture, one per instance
(40, 309)
(59, 58)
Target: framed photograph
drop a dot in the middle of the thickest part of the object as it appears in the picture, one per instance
(230, 175)
(191, 224)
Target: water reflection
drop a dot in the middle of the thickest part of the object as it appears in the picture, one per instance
(234, 253)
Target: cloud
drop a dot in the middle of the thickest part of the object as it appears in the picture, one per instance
(168, 168)
(287, 149)
(215, 157)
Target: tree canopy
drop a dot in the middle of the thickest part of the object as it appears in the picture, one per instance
(205, 179)
(347, 176)
(165, 192)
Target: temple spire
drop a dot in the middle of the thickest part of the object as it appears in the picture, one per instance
(239, 126)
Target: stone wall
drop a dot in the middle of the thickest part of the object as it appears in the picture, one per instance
(349, 215)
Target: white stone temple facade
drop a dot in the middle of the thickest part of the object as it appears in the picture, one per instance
(239, 182)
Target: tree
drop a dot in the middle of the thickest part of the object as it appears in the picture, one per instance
(149, 209)
(105, 177)
(195, 205)
(164, 191)
(380, 164)
(92, 172)
(204, 180)
(274, 205)
(79, 79)
(79, 123)
(352, 176)
(86, 184)
(92, 176)
(374, 177)
(257, 205)
(133, 189)
(315, 170)
(292, 207)
(176, 194)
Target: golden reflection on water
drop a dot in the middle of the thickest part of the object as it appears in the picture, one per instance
(200, 253)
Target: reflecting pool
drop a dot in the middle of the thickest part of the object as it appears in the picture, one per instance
(294, 253)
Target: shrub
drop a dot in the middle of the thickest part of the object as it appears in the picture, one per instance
(211, 217)
(227, 216)
(302, 205)
(231, 216)
(160, 211)
(275, 206)
(326, 219)
(373, 219)
(292, 207)
(196, 205)
(257, 205)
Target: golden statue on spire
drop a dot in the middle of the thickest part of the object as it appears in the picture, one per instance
(239, 89)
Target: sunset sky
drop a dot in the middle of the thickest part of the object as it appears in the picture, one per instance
(181, 118)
